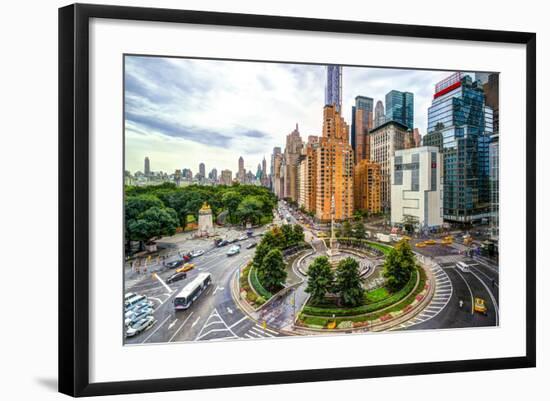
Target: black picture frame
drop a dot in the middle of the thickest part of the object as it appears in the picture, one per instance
(74, 198)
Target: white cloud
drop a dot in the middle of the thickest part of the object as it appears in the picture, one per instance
(180, 112)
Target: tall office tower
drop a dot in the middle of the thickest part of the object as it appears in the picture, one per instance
(307, 174)
(259, 172)
(226, 177)
(277, 179)
(293, 150)
(361, 124)
(416, 186)
(384, 141)
(213, 175)
(417, 138)
(400, 108)
(490, 89)
(334, 168)
(366, 186)
(187, 174)
(379, 116)
(265, 180)
(241, 172)
(333, 89)
(202, 170)
(459, 115)
(177, 177)
(147, 167)
(276, 151)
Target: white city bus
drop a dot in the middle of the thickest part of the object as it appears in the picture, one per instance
(192, 291)
(463, 267)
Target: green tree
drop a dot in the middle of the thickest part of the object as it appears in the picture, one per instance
(135, 205)
(298, 234)
(346, 231)
(359, 230)
(272, 273)
(231, 201)
(288, 234)
(348, 282)
(398, 266)
(250, 210)
(155, 222)
(320, 279)
(261, 250)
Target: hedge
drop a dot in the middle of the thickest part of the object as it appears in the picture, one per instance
(363, 309)
(258, 287)
(320, 322)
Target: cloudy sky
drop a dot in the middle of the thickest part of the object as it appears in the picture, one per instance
(180, 112)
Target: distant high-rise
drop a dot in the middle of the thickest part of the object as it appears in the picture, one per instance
(361, 124)
(259, 172)
(241, 171)
(272, 171)
(385, 140)
(202, 170)
(379, 116)
(400, 108)
(147, 168)
(226, 177)
(293, 150)
(333, 89)
(213, 175)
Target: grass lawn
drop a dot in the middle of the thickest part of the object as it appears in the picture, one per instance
(377, 294)
(383, 248)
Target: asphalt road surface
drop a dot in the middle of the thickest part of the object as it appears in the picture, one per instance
(214, 316)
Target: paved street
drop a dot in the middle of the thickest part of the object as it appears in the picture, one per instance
(213, 316)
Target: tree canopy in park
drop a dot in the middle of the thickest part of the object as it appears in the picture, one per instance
(348, 283)
(320, 279)
(272, 273)
(171, 206)
(398, 266)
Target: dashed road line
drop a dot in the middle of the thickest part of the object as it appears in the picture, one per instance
(179, 328)
(158, 327)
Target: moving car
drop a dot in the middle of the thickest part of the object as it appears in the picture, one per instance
(479, 306)
(251, 245)
(463, 267)
(140, 326)
(243, 237)
(429, 242)
(233, 250)
(197, 253)
(176, 277)
(221, 243)
(174, 264)
(185, 268)
(420, 245)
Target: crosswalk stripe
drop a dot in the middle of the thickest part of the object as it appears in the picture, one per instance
(261, 332)
(248, 335)
(266, 329)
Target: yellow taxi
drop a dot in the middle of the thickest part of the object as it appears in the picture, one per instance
(420, 245)
(479, 306)
(185, 268)
(429, 242)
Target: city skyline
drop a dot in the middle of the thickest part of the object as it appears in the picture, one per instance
(173, 131)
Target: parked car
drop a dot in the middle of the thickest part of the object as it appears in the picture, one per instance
(251, 245)
(233, 250)
(196, 253)
(138, 315)
(140, 326)
(176, 277)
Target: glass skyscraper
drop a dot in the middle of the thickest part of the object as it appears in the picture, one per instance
(400, 108)
(461, 124)
(333, 89)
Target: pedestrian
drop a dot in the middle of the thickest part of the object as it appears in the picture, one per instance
(460, 303)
